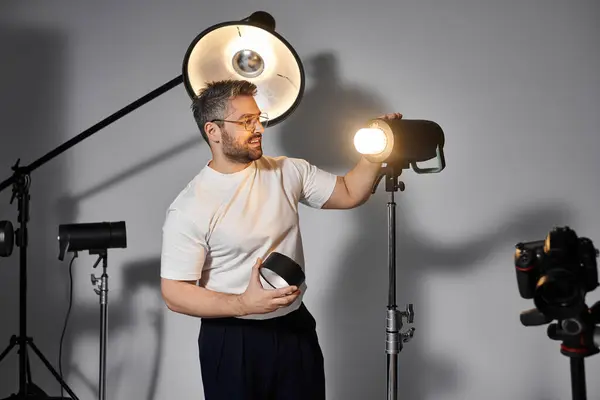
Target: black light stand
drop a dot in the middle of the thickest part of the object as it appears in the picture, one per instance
(395, 339)
(27, 389)
(21, 182)
(409, 142)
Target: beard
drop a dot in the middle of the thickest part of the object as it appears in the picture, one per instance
(241, 151)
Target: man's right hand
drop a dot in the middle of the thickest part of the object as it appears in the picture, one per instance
(257, 300)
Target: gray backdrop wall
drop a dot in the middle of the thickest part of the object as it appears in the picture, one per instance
(514, 84)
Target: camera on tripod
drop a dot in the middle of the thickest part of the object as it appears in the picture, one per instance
(557, 272)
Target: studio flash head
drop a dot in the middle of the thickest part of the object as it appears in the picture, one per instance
(96, 236)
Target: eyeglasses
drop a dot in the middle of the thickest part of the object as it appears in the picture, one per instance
(249, 123)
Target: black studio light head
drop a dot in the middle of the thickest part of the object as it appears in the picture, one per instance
(95, 237)
(402, 143)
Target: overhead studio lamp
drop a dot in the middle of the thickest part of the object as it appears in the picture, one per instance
(253, 51)
(399, 144)
(247, 49)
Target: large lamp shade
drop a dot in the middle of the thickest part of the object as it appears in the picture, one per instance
(248, 49)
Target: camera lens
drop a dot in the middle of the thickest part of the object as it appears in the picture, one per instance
(559, 295)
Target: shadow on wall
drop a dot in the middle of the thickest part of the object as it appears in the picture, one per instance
(69, 202)
(321, 131)
(322, 128)
(32, 115)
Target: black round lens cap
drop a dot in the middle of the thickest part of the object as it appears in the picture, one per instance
(285, 268)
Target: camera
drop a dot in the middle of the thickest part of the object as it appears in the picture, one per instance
(557, 272)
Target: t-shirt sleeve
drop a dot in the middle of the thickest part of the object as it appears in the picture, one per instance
(317, 184)
(184, 248)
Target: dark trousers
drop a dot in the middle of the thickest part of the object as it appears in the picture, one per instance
(274, 359)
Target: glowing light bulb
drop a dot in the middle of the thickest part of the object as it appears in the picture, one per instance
(370, 141)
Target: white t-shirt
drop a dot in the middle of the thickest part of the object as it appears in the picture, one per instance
(218, 226)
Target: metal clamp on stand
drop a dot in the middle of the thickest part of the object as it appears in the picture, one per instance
(395, 338)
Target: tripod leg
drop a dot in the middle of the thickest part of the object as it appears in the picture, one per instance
(53, 371)
(578, 388)
(28, 366)
(13, 343)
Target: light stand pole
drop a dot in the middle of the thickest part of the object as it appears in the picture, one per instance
(102, 292)
(395, 338)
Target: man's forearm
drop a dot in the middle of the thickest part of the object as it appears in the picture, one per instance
(359, 181)
(189, 299)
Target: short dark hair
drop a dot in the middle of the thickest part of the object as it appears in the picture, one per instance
(211, 102)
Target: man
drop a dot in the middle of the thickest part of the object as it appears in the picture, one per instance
(254, 342)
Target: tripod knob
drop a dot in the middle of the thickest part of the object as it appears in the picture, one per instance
(409, 313)
(406, 336)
